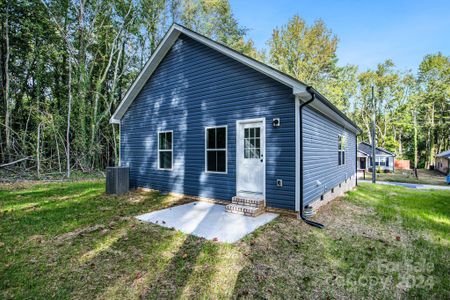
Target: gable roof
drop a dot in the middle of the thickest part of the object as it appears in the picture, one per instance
(298, 88)
(366, 148)
(445, 154)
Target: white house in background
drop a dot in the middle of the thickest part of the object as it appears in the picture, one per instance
(443, 162)
(384, 159)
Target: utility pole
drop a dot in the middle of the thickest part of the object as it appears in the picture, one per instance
(415, 143)
(374, 169)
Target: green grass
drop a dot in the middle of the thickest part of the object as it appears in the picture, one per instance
(69, 240)
(407, 176)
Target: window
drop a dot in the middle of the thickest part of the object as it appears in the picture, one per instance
(252, 142)
(216, 149)
(165, 150)
(341, 150)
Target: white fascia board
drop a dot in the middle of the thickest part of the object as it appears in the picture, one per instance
(363, 153)
(144, 75)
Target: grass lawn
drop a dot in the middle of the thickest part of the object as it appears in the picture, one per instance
(69, 240)
(407, 176)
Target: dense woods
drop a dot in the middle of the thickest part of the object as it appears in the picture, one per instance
(65, 64)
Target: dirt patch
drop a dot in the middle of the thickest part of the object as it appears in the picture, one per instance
(60, 239)
(341, 216)
(37, 238)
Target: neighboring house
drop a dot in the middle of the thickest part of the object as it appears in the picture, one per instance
(443, 162)
(206, 121)
(384, 160)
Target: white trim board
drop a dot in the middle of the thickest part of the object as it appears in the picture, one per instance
(297, 154)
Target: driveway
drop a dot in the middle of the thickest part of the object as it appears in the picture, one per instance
(207, 220)
(411, 185)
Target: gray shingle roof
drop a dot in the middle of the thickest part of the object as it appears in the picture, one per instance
(367, 148)
(444, 154)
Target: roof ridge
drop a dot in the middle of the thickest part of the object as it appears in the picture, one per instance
(172, 35)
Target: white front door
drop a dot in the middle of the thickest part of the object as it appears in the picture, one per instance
(250, 158)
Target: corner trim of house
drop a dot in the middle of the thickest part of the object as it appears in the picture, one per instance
(297, 153)
(120, 144)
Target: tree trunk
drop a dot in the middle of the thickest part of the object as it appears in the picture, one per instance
(82, 83)
(6, 93)
(69, 110)
(38, 156)
(432, 141)
(57, 149)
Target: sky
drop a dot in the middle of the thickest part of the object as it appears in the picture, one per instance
(369, 32)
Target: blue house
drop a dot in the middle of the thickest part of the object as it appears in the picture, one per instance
(207, 122)
(384, 159)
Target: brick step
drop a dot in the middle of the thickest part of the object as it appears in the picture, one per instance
(244, 210)
(248, 201)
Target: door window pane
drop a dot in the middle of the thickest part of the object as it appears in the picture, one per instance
(252, 142)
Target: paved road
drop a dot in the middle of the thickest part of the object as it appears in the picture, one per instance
(411, 185)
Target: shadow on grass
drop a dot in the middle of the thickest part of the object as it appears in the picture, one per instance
(121, 259)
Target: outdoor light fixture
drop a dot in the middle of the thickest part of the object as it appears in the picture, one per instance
(276, 122)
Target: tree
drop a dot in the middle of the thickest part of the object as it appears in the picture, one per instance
(434, 91)
(308, 53)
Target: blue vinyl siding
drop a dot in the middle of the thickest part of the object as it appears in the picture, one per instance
(320, 154)
(195, 87)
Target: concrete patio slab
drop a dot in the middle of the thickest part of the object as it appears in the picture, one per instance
(207, 220)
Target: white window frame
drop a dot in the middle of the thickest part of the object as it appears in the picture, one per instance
(341, 136)
(165, 150)
(216, 149)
